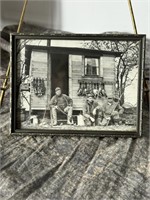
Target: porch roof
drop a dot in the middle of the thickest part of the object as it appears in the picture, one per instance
(73, 51)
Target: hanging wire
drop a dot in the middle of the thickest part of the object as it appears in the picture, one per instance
(132, 17)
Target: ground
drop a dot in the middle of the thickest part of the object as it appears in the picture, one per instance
(128, 118)
(76, 127)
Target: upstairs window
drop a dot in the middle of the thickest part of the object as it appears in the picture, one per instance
(91, 67)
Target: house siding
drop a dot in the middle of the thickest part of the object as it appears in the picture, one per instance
(77, 70)
(38, 68)
(76, 67)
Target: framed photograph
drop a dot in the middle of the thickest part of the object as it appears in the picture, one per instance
(77, 84)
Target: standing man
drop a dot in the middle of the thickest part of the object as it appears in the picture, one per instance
(61, 103)
(91, 111)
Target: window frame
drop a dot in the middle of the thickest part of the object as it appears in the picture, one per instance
(97, 67)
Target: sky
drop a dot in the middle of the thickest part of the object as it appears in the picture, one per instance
(80, 16)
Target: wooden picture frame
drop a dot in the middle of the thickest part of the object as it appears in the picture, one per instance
(77, 84)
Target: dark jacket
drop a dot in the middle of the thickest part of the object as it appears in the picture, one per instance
(88, 108)
(62, 101)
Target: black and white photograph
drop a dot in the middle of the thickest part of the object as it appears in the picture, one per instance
(77, 84)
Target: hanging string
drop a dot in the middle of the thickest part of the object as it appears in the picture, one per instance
(132, 16)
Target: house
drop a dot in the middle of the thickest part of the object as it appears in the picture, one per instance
(72, 69)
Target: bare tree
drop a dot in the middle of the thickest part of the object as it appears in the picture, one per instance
(124, 64)
(21, 75)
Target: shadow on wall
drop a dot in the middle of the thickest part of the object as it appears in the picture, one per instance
(45, 13)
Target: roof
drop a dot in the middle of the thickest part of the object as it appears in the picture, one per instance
(73, 51)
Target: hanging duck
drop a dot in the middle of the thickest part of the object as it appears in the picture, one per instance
(38, 86)
(43, 87)
(102, 91)
(95, 90)
(80, 90)
(85, 89)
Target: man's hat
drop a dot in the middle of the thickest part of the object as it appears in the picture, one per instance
(57, 88)
(90, 95)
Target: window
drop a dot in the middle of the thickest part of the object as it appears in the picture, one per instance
(91, 66)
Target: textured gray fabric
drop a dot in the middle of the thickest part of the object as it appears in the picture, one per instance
(61, 168)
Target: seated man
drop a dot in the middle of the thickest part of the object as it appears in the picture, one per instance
(61, 103)
(91, 111)
(112, 112)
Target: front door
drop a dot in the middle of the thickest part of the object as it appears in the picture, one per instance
(59, 73)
